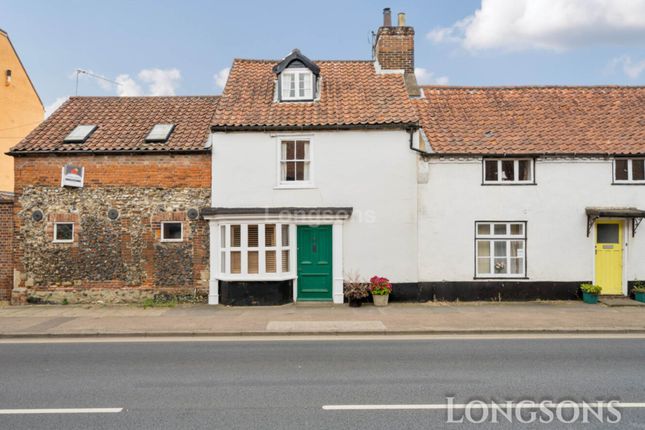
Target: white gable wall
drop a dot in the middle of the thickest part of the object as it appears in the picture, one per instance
(558, 248)
(373, 171)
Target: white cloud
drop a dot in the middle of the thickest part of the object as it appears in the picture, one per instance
(221, 77)
(50, 108)
(631, 68)
(547, 24)
(127, 86)
(426, 77)
(160, 82)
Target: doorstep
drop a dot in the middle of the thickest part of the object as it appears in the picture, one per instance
(619, 302)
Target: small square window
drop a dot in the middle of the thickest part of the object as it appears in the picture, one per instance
(629, 170)
(508, 171)
(160, 133)
(64, 232)
(172, 231)
(80, 133)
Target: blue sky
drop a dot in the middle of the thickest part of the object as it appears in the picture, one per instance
(178, 47)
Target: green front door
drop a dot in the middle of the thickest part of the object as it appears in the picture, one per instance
(314, 263)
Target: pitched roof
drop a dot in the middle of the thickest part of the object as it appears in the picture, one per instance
(534, 120)
(352, 94)
(123, 123)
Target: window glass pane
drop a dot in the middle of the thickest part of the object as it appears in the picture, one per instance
(235, 236)
(524, 170)
(285, 261)
(285, 235)
(236, 262)
(290, 174)
(500, 265)
(483, 266)
(289, 150)
(500, 248)
(517, 248)
(508, 169)
(299, 171)
(638, 170)
(517, 229)
(300, 149)
(222, 262)
(252, 260)
(483, 248)
(500, 229)
(171, 230)
(64, 231)
(517, 266)
(222, 235)
(483, 229)
(305, 173)
(270, 261)
(301, 84)
(253, 236)
(491, 170)
(269, 235)
(621, 170)
(607, 233)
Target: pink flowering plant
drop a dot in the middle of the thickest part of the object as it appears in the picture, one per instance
(380, 286)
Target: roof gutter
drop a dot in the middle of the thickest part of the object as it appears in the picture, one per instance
(532, 154)
(106, 152)
(271, 128)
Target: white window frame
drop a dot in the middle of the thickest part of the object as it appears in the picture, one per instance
(295, 184)
(296, 73)
(56, 239)
(629, 179)
(224, 271)
(508, 238)
(516, 171)
(163, 239)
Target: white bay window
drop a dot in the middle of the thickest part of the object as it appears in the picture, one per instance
(255, 250)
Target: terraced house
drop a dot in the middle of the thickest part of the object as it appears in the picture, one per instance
(304, 173)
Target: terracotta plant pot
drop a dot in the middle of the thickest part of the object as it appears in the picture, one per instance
(380, 300)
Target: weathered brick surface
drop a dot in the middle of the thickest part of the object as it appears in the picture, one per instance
(124, 255)
(395, 48)
(6, 244)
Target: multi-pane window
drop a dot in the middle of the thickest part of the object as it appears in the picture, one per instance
(295, 161)
(255, 249)
(297, 84)
(172, 231)
(506, 170)
(64, 232)
(500, 249)
(629, 170)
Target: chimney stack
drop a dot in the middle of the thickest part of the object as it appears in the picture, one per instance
(387, 17)
(394, 49)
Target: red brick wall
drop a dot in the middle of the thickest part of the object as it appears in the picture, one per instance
(137, 170)
(395, 48)
(6, 246)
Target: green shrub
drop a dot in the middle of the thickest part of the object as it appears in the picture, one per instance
(591, 289)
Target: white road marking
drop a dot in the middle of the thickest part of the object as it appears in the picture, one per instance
(320, 338)
(61, 411)
(446, 406)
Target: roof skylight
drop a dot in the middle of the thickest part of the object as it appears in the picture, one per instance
(80, 133)
(160, 132)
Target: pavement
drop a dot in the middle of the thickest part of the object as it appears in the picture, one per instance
(317, 319)
(314, 384)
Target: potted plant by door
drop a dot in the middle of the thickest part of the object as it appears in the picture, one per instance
(355, 290)
(380, 288)
(639, 291)
(590, 293)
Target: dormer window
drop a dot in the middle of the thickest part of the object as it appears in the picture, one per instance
(80, 133)
(160, 133)
(297, 84)
(297, 78)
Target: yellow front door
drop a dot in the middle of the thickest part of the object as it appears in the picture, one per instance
(609, 256)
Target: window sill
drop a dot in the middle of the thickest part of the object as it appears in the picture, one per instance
(62, 241)
(306, 186)
(629, 183)
(171, 240)
(256, 277)
(508, 183)
(497, 278)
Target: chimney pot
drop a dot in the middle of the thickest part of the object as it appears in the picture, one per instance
(401, 19)
(387, 17)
